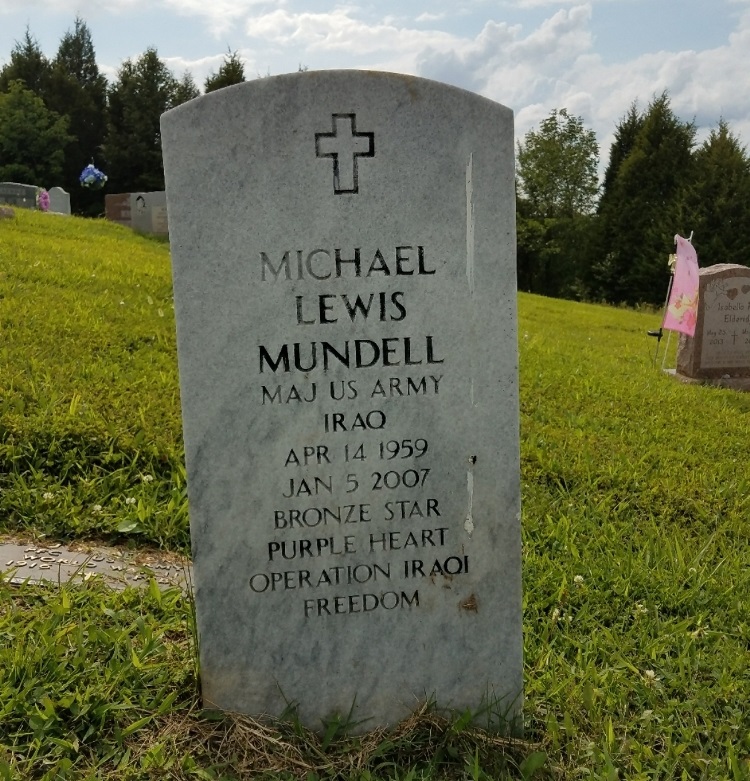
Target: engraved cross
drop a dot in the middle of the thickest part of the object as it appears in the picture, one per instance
(345, 145)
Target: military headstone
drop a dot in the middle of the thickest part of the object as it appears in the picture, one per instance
(346, 311)
(720, 348)
(21, 195)
(59, 201)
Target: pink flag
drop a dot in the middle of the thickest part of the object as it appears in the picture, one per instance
(682, 308)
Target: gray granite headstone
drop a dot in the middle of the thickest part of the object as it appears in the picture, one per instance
(59, 201)
(148, 212)
(21, 195)
(144, 212)
(346, 314)
(721, 345)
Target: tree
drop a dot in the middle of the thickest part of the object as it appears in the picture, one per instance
(185, 90)
(78, 90)
(144, 90)
(641, 205)
(232, 71)
(557, 187)
(32, 138)
(27, 64)
(557, 165)
(717, 204)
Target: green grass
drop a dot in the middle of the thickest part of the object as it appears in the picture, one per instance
(636, 508)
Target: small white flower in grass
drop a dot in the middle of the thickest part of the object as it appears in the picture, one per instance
(47, 496)
(147, 478)
(578, 580)
(556, 614)
(122, 303)
(96, 509)
(650, 677)
(640, 608)
(130, 500)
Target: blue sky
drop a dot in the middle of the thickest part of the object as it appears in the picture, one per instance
(593, 58)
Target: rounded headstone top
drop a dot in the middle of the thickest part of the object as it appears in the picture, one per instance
(718, 267)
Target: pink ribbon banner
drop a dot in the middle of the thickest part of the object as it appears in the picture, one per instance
(682, 308)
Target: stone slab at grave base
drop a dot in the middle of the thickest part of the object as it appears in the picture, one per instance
(733, 383)
(39, 562)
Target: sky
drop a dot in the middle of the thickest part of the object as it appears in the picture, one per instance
(593, 58)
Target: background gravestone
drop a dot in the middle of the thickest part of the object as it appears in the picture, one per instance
(144, 212)
(721, 345)
(148, 212)
(346, 311)
(59, 200)
(21, 195)
(117, 208)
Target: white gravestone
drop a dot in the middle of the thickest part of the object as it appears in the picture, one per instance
(59, 201)
(346, 315)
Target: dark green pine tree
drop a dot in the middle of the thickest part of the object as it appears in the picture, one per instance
(79, 90)
(717, 205)
(143, 91)
(27, 64)
(185, 90)
(232, 71)
(641, 207)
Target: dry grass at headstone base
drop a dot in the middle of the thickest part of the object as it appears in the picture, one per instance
(250, 747)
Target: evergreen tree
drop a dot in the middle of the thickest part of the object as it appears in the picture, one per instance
(557, 186)
(32, 138)
(641, 206)
(27, 64)
(143, 91)
(717, 206)
(232, 71)
(79, 90)
(185, 90)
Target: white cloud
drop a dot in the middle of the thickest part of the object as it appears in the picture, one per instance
(428, 17)
(222, 15)
(340, 31)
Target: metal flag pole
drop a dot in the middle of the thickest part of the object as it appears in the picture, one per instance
(658, 333)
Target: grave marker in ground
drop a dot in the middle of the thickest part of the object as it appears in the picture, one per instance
(20, 195)
(59, 201)
(117, 208)
(346, 310)
(720, 348)
(144, 212)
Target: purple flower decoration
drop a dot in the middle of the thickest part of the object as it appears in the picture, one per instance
(42, 200)
(92, 177)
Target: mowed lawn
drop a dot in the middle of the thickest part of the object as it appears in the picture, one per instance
(636, 507)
